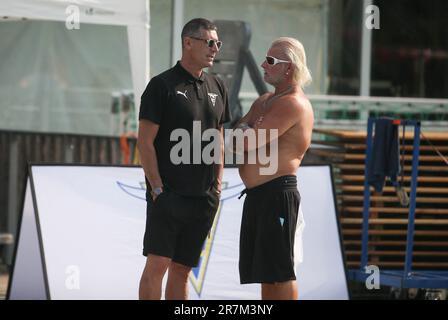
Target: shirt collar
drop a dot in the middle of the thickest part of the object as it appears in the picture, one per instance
(181, 70)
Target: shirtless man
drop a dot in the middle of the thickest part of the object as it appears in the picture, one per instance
(272, 202)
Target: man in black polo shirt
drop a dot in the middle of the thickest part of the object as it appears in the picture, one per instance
(182, 198)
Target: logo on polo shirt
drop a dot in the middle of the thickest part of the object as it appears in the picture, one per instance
(213, 97)
(183, 93)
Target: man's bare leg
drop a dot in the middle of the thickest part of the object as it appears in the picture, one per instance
(279, 291)
(151, 281)
(177, 285)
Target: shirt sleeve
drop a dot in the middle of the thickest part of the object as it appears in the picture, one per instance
(153, 100)
(226, 116)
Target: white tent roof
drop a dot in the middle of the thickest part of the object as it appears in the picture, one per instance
(134, 14)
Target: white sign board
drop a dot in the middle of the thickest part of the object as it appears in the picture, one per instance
(81, 237)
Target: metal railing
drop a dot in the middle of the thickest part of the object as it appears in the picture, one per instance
(352, 112)
(18, 149)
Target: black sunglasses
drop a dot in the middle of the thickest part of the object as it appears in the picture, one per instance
(210, 42)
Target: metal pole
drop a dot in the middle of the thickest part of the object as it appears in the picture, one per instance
(68, 149)
(366, 207)
(177, 20)
(412, 207)
(366, 53)
(324, 75)
(13, 191)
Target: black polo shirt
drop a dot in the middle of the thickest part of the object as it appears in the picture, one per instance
(174, 99)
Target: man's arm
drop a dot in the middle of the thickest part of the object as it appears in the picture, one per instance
(230, 144)
(244, 123)
(244, 119)
(282, 115)
(247, 116)
(219, 167)
(147, 132)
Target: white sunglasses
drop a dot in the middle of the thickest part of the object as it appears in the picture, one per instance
(273, 61)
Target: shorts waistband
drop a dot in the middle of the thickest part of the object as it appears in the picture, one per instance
(288, 182)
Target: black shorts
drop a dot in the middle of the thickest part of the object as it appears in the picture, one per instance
(177, 226)
(268, 229)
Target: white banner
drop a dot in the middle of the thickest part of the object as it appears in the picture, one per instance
(83, 238)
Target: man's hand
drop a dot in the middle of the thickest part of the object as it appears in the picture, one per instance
(231, 143)
(218, 187)
(156, 192)
(243, 126)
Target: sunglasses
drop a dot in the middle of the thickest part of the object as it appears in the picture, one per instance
(210, 42)
(273, 61)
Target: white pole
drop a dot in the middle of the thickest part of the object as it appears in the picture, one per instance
(177, 21)
(324, 75)
(366, 53)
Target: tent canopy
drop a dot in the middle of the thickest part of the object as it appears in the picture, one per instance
(134, 15)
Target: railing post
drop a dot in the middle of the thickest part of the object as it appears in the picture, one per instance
(366, 207)
(413, 196)
(68, 149)
(13, 191)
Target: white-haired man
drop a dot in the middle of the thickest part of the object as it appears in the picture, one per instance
(272, 201)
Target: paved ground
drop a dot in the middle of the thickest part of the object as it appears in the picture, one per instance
(3, 285)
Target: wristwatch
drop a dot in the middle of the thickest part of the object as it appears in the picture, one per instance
(156, 191)
(243, 125)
